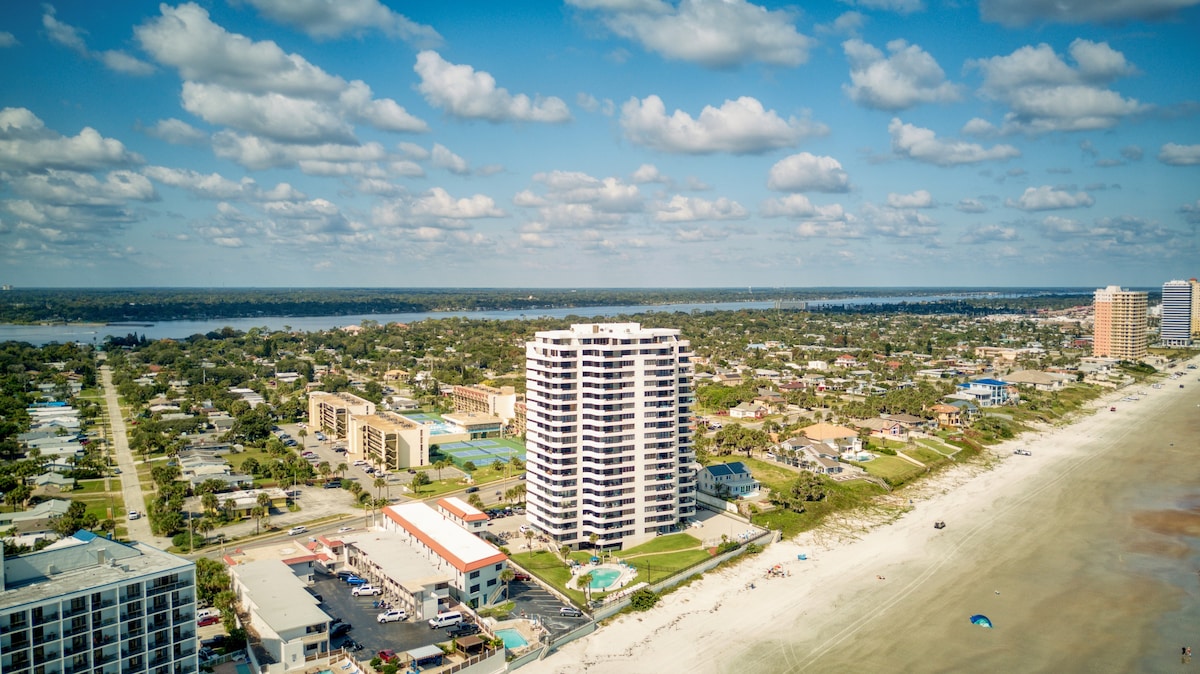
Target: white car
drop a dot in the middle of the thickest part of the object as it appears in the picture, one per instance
(296, 531)
(366, 591)
(525, 527)
(345, 529)
(133, 514)
(392, 616)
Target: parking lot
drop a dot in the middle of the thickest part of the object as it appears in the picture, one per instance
(361, 612)
(533, 601)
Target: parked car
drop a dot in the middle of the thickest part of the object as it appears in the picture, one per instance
(355, 580)
(463, 630)
(206, 654)
(366, 591)
(570, 612)
(333, 484)
(395, 615)
(208, 620)
(521, 575)
(387, 655)
(343, 575)
(340, 629)
(296, 531)
(133, 514)
(215, 642)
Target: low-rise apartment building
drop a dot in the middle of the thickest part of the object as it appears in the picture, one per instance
(291, 628)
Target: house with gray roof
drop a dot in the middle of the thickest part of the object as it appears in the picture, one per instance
(728, 479)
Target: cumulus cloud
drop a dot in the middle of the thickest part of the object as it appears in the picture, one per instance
(444, 158)
(1191, 212)
(1044, 93)
(254, 76)
(465, 92)
(177, 132)
(898, 223)
(217, 187)
(27, 145)
(71, 188)
(898, 6)
(334, 18)
(1132, 152)
(1047, 198)
(1024, 12)
(739, 126)
(806, 172)
(7, 39)
(798, 207)
(923, 145)
(918, 199)
(1175, 154)
(72, 38)
(713, 33)
(691, 209)
(254, 152)
(592, 104)
(575, 200)
(437, 207)
(907, 77)
(970, 206)
(989, 234)
(648, 173)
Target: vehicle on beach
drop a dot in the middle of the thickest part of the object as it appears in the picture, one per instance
(1112, 409)
(1023, 452)
(939, 524)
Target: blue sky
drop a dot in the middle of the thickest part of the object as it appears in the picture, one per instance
(600, 143)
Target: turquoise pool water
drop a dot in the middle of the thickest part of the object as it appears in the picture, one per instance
(602, 578)
(242, 668)
(512, 638)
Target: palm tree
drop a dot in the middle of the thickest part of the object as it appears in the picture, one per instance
(324, 469)
(565, 550)
(380, 483)
(529, 542)
(209, 502)
(585, 582)
(506, 576)
(341, 469)
(205, 526)
(257, 512)
(439, 465)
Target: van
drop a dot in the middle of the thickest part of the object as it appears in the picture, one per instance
(445, 619)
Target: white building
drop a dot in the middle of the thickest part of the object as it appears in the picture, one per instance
(1176, 314)
(88, 604)
(292, 629)
(609, 433)
(473, 564)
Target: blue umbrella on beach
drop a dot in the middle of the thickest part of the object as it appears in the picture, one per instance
(981, 620)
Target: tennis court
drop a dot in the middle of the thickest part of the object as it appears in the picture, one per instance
(482, 452)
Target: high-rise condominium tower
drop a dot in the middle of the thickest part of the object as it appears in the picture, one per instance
(1176, 321)
(1195, 307)
(609, 433)
(1119, 330)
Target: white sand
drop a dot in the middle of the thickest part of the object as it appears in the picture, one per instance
(853, 570)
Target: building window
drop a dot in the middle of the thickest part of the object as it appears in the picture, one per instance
(474, 588)
(474, 574)
(491, 583)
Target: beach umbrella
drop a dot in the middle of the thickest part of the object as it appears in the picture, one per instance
(981, 620)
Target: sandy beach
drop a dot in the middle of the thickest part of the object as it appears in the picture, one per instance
(1084, 555)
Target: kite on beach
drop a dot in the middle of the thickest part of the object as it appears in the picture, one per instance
(981, 620)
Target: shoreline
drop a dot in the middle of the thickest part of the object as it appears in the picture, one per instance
(861, 567)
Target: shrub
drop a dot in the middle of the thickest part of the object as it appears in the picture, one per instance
(643, 600)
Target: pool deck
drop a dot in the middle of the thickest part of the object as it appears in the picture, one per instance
(627, 574)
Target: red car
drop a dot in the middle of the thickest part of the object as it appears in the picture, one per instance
(521, 575)
(387, 655)
(208, 620)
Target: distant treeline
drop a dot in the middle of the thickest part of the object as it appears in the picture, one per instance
(117, 305)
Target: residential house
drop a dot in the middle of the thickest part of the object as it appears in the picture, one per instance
(728, 479)
(985, 392)
(748, 411)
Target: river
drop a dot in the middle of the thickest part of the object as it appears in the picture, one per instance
(94, 333)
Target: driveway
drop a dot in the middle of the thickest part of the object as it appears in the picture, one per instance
(131, 488)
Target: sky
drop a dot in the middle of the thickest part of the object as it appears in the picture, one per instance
(599, 143)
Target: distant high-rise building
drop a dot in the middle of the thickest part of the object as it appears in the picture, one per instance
(1119, 330)
(1176, 321)
(1195, 307)
(609, 433)
(88, 604)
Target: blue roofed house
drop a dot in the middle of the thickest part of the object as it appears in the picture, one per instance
(985, 392)
(728, 479)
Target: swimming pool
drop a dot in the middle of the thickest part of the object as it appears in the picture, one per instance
(512, 638)
(602, 578)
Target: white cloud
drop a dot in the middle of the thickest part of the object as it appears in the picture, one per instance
(70, 188)
(7, 39)
(1045, 94)
(444, 158)
(269, 115)
(1132, 152)
(216, 186)
(905, 78)
(1175, 154)
(918, 199)
(177, 132)
(978, 127)
(989, 234)
(924, 145)
(713, 33)
(26, 144)
(439, 203)
(648, 173)
(797, 206)
(464, 92)
(848, 23)
(739, 126)
(970, 206)
(1023, 12)
(898, 6)
(805, 172)
(592, 104)
(261, 75)
(691, 209)
(899, 224)
(254, 152)
(335, 18)
(1047, 198)
(574, 200)
(71, 37)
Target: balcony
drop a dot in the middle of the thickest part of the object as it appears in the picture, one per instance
(45, 618)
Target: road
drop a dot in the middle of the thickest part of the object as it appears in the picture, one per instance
(131, 488)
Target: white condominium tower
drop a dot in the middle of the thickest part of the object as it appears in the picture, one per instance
(609, 433)
(1176, 317)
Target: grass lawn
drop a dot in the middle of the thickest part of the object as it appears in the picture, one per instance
(654, 568)
(550, 568)
(771, 475)
(892, 468)
(925, 455)
(668, 543)
(93, 486)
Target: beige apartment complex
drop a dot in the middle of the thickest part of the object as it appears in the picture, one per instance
(387, 439)
(331, 412)
(1195, 307)
(1119, 328)
(503, 402)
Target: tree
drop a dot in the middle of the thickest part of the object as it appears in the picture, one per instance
(18, 495)
(528, 538)
(212, 578)
(380, 483)
(469, 466)
(325, 470)
(585, 583)
(506, 576)
(420, 480)
(565, 550)
(643, 599)
(341, 469)
(205, 527)
(440, 465)
(475, 500)
(209, 503)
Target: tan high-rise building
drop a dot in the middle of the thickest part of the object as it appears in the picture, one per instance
(1195, 307)
(1119, 330)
